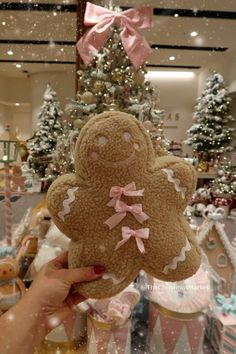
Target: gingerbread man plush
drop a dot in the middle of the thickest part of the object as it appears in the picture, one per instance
(11, 286)
(123, 208)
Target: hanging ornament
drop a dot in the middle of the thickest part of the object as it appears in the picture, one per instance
(148, 125)
(220, 172)
(78, 123)
(118, 75)
(113, 106)
(88, 97)
(138, 77)
(99, 86)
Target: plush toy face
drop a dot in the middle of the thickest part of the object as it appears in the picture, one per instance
(123, 209)
(120, 148)
(8, 269)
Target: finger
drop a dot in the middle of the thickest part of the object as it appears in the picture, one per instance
(78, 275)
(60, 262)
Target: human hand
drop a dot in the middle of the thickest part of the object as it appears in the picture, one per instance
(51, 293)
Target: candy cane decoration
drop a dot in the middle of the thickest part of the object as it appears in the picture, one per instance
(8, 209)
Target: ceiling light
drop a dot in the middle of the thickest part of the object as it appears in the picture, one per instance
(17, 104)
(62, 49)
(172, 58)
(3, 23)
(10, 52)
(170, 75)
(18, 65)
(193, 34)
(54, 13)
(176, 15)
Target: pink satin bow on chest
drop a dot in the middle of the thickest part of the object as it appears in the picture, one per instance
(139, 235)
(129, 190)
(121, 209)
(135, 45)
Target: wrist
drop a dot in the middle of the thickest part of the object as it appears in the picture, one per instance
(33, 305)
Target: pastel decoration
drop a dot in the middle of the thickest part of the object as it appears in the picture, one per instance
(130, 190)
(122, 209)
(140, 235)
(124, 187)
(175, 181)
(102, 19)
(176, 314)
(180, 258)
(67, 202)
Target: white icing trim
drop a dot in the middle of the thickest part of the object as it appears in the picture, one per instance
(180, 258)
(114, 279)
(67, 202)
(175, 181)
(203, 232)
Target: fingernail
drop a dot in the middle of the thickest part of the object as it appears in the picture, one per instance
(98, 269)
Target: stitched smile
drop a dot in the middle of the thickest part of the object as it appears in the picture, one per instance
(117, 163)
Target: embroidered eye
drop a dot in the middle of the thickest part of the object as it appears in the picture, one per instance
(102, 140)
(126, 136)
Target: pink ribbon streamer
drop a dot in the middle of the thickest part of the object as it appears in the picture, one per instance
(129, 190)
(121, 209)
(139, 235)
(135, 45)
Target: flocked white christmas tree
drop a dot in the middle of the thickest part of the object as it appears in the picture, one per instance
(210, 134)
(49, 125)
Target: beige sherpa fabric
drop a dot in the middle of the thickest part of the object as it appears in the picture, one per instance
(114, 149)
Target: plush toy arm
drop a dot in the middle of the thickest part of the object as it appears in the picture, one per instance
(179, 179)
(60, 200)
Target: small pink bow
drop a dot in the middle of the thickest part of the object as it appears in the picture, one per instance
(130, 190)
(135, 45)
(121, 209)
(139, 235)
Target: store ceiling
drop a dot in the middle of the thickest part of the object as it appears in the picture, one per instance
(42, 37)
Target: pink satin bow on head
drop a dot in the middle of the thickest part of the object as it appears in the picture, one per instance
(121, 209)
(135, 45)
(129, 190)
(139, 235)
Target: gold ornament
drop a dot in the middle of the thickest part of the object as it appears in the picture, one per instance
(88, 97)
(78, 123)
(99, 86)
(203, 166)
(118, 75)
(148, 125)
(138, 77)
(113, 106)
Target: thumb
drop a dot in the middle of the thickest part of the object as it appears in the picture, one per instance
(78, 275)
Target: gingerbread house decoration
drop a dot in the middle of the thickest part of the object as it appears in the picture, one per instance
(217, 249)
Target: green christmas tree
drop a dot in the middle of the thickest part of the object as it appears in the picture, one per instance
(110, 82)
(44, 140)
(210, 135)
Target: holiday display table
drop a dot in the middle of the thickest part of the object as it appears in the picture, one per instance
(176, 315)
(107, 338)
(72, 347)
(109, 323)
(221, 325)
